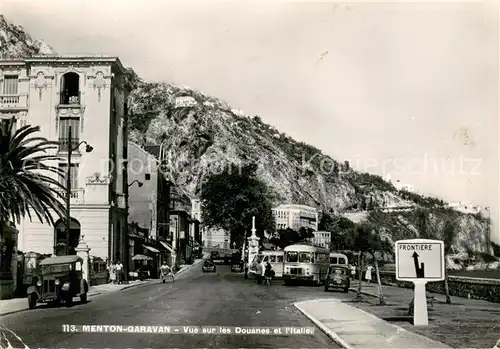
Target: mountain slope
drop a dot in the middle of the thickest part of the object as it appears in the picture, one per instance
(16, 43)
(204, 134)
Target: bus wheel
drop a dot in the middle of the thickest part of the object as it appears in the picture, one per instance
(286, 282)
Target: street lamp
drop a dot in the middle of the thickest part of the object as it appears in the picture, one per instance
(88, 149)
(125, 235)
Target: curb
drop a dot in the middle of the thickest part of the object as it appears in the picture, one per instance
(332, 335)
(376, 295)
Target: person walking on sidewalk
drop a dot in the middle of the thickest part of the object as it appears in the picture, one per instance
(119, 272)
(368, 274)
(269, 273)
(112, 273)
(353, 271)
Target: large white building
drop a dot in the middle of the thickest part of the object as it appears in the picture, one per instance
(295, 217)
(88, 95)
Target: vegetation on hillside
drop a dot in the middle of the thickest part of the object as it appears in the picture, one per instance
(230, 200)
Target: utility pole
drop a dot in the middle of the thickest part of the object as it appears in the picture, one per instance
(88, 149)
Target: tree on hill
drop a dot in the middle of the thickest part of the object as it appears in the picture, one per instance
(231, 198)
(340, 228)
(286, 237)
(367, 240)
(448, 235)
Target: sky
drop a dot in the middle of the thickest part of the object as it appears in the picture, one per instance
(406, 89)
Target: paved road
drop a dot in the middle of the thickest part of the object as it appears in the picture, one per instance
(196, 299)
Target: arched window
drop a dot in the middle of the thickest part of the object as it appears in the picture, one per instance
(70, 88)
(60, 237)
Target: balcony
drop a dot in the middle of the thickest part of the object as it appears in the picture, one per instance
(13, 102)
(76, 197)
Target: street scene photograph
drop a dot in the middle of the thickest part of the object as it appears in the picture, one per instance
(249, 174)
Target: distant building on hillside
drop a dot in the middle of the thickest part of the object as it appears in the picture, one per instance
(322, 238)
(295, 217)
(398, 184)
(185, 102)
(465, 207)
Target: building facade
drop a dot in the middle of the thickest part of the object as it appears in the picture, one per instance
(322, 239)
(86, 95)
(213, 237)
(295, 217)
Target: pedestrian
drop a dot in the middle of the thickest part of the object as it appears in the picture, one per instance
(368, 274)
(112, 273)
(119, 272)
(259, 273)
(353, 271)
(269, 273)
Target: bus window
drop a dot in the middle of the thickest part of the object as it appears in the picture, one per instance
(292, 257)
(333, 260)
(306, 257)
(342, 260)
(272, 259)
(279, 259)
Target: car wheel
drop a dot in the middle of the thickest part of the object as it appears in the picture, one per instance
(83, 298)
(32, 300)
(346, 290)
(326, 288)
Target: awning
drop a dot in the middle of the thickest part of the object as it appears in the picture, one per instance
(167, 246)
(151, 249)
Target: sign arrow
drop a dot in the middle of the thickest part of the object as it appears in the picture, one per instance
(419, 270)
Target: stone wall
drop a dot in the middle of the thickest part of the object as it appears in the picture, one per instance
(483, 289)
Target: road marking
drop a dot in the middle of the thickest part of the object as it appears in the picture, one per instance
(5, 343)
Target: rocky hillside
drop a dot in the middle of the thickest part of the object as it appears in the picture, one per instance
(16, 43)
(203, 135)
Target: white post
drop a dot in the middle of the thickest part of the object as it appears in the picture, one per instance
(420, 315)
(253, 243)
(82, 250)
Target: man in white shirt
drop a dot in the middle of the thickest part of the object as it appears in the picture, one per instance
(119, 271)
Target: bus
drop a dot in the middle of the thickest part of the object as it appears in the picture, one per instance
(305, 263)
(275, 258)
(339, 259)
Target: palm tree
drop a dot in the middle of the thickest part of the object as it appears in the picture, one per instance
(26, 186)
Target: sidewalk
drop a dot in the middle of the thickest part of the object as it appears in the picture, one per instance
(15, 305)
(465, 322)
(351, 327)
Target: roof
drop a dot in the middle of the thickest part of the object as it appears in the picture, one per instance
(305, 248)
(61, 260)
(153, 150)
(144, 149)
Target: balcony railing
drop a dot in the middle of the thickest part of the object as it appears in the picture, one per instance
(76, 196)
(15, 102)
(66, 143)
(70, 98)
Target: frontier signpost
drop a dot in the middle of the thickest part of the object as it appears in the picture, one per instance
(420, 261)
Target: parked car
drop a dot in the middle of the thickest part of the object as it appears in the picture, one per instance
(236, 262)
(61, 280)
(337, 277)
(208, 266)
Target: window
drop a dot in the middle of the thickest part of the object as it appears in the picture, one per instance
(64, 125)
(70, 89)
(10, 84)
(342, 260)
(306, 257)
(272, 259)
(73, 173)
(292, 257)
(279, 259)
(333, 260)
